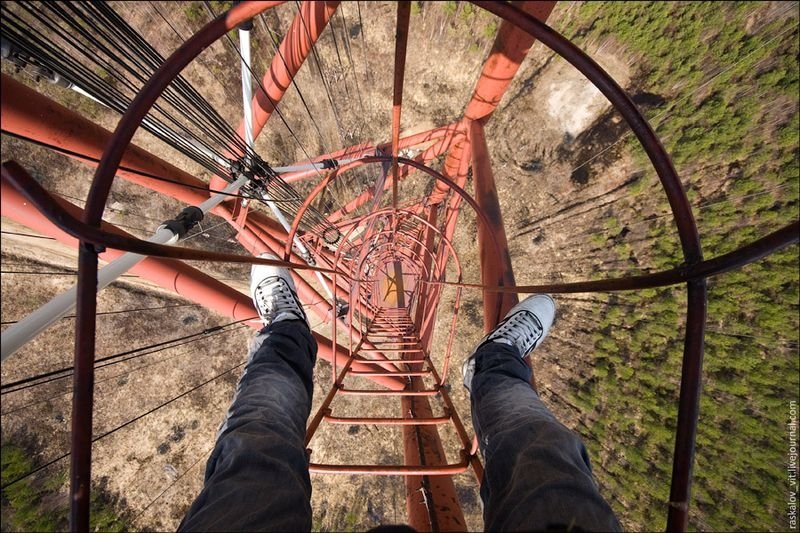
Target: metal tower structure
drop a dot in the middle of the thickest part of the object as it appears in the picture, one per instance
(374, 269)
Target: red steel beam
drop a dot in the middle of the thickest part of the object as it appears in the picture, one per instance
(28, 114)
(306, 28)
(431, 501)
(401, 45)
(496, 270)
(456, 167)
(509, 50)
(169, 274)
(510, 47)
(31, 115)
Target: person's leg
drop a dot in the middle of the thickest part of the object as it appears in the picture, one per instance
(537, 473)
(257, 476)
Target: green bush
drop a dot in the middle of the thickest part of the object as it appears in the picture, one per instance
(28, 504)
(720, 84)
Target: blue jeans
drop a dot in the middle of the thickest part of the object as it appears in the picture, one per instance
(537, 474)
(537, 471)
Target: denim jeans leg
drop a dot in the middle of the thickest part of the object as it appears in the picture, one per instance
(257, 476)
(537, 473)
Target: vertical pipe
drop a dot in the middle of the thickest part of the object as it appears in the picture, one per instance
(510, 47)
(495, 271)
(247, 82)
(401, 44)
(688, 407)
(83, 389)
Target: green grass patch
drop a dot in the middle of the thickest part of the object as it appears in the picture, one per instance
(721, 69)
(40, 503)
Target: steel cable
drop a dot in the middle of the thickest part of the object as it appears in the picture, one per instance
(121, 374)
(65, 372)
(124, 425)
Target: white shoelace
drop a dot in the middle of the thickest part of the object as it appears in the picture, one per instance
(274, 296)
(522, 329)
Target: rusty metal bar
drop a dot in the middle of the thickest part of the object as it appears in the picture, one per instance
(324, 408)
(747, 254)
(688, 408)
(394, 470)
(439, 510)
(388, 421)
(36, 195)
(495, 269)
(441, 134)
(365, 361)
(679, 203)
(462, 432)
(380, 159)
(83, 389)
(509, 49)
(408, 373)
(401, 45)
(366, 392)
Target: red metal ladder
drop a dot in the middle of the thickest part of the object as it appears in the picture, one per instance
(393, 332)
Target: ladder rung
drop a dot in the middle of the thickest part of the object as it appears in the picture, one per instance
(411, 350)
(367, 392)
(390, 470)
(389, 344)
(389, 373)
(388, 421)
(380, 361)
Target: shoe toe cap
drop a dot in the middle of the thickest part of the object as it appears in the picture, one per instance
(544, 307)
